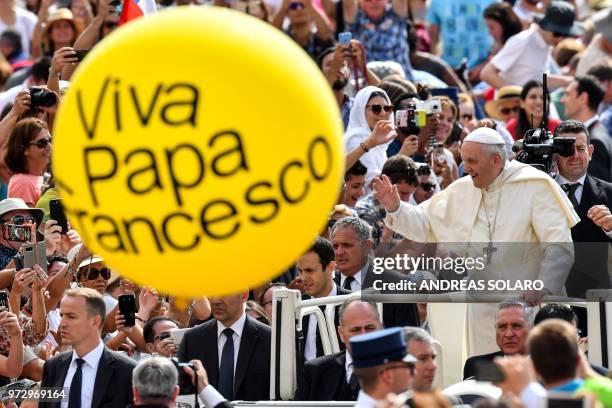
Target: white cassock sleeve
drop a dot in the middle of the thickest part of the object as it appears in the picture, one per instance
(409, 221)
(553, 230)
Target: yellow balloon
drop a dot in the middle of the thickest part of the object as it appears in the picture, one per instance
(198, 151)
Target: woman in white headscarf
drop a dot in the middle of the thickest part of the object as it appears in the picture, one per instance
(370, 130)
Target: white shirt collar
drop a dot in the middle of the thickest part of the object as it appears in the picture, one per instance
(357, 277)
(365, 401)
(93, 357)
(237, 327)
(562, 180)
(590, 121)
(349, 360)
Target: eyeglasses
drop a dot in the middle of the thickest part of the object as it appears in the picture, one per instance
(110, 24)
(376, 108)
(560, 35)
(19, 220)
(507, 111)
(41, 143)
(467, 116)
(427, 186)
(296, 5)
(92, 273)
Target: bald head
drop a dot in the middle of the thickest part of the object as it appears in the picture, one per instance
(357, 317)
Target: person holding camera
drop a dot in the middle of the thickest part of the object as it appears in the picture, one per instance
(28, 155)
(302, 14)
(370, 131)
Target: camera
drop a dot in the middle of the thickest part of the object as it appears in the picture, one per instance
(429, 106)
(410, 121)
(538, 146)
(179, 366)
(42, 97)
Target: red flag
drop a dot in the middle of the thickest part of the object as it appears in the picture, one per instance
(130, 11)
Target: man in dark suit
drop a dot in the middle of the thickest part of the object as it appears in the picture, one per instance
(591, 198)
(331, 378)
(512, 325)
(353, 249)
(316, 268)
(234, 348)
(581, 100)
(93, 375)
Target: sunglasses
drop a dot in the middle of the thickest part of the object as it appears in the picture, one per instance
(41, 143)
(19, 220)
(110, 24)
(427, 186)
(92, 273)
(507, 111)
(376, 108)
(424, 170)
(560, 35)
(162, 336)
(467, 116)
(295, 5)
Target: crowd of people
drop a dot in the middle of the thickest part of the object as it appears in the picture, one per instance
(435, 97)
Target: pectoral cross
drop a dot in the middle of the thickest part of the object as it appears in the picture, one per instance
(488, 251)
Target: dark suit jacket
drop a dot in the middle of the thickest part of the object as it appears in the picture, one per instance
(324, 379)
(590, 269)
(469, 369)
(306, 322)
(113, 385)
(252, 375)
(601, 162)
(394, 314)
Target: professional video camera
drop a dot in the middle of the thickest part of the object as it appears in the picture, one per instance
(538, 145)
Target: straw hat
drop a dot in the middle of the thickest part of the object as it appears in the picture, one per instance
(505, 93)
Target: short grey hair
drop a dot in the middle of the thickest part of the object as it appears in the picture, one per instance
(361, 228)
(492, 149)
(417, 334)
(155, 378)
(510, 303)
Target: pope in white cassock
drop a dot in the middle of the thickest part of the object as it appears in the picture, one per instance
(501, 202)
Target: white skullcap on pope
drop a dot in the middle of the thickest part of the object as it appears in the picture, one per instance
(485, 135)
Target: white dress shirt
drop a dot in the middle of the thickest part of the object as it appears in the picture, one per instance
(578, 193)
(356, 284)
(365, 401)
(211, 397)
(89, 370)
(348, 366)
(310, 348)
(237, 327)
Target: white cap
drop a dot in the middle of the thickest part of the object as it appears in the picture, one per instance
(485, 135)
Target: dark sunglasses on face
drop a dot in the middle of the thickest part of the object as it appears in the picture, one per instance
(92, 273)
(376, 108)
(295, 5)
(19, 220)
(560, 35)
(427, 186)
(507, 111)
(41, 143)
(467, 116)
